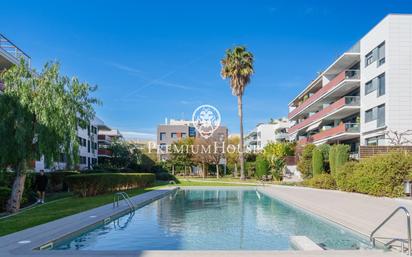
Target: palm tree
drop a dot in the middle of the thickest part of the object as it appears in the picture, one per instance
(237, 65)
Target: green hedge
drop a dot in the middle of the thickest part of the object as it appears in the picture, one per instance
(305, 161)
(262, 166)
(4, 196)
(317, 162)
(322, 181)
(100, 183)
(380, 175)
(57, 180)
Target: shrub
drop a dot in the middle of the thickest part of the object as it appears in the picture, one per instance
(323, 181)
(249, 168)
(317, 162)
(344, 177)
(4, 196)
(57, 180)
(100, 183)
(325, 148)
(338, 155)
(262, 166)
(305, 161)
(165, 176)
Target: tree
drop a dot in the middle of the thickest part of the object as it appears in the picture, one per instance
(201, 153)
(40, 114)
(275, 154)
(181, 153)
(262, 166)
(232, 152)
(338, 156)
(305, 161)
(237, 65)
(317, 162)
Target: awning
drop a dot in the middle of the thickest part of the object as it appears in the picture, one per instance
(313, 126)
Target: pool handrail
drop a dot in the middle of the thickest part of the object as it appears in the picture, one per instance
(125, 197)
(372, 238)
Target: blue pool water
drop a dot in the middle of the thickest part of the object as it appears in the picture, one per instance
(213, 219)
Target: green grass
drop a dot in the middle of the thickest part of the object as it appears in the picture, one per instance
(60, 205)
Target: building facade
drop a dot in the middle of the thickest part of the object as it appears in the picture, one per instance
(175, 130)
(265, 133)
(106, 136)
(363, 94)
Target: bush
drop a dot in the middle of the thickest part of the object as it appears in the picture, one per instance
(57, 180)
(262, 166)
(305, 161)
(323, 181)
(4, 196)
(338, 156)
(380, 175)
(100, 183)
(249, 169)
(165, 176)
(317, 162)
(325, 149)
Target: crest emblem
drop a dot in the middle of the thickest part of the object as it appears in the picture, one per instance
(206, 119)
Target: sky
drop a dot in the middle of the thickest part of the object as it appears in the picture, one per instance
(153, 60)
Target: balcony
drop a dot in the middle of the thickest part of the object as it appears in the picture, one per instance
(105, 152)
(341, 132)
(104, 139)
(281, 136)
(347, 101)
(344, 75)
(10, 53)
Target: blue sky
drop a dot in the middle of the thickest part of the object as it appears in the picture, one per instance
(158, 59)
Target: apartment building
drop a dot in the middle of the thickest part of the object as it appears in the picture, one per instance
(10, 55)
(363, 94)
(265, 133)
(106, 136)
(174, 130)
(88, 154)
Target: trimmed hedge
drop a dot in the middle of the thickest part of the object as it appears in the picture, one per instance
(380, 175)
(165, 176)
(4, 196)
(305, 161)
(262, 166)
(57, 180)
(317, 162)
(322, 181)
(99, 183)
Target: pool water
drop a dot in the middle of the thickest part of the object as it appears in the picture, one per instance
(214, 219)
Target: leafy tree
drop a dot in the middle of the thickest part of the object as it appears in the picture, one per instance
(237, 65)
(39, 117)
(317, 162)
(232, 153)
(262, 166)
(181, 153)
(305, 161)
(279, 150)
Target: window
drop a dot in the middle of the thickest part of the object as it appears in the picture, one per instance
(184, 135)
(94, 130)
(378, 140)
(381, 54)
(88, 130)
(163, 146)
(381, 116)
(162, 135)
(173, 135)
(82, 160)
(370, 87)
(88, 146)
(381, 84)
(369, 59)
(370, 115)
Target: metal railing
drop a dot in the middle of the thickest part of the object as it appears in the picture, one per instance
(12, 50)
(125, 197)
(372, 238)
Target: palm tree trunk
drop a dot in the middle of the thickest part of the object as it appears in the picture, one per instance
(217, 171)
(17, 190)
(241, 160)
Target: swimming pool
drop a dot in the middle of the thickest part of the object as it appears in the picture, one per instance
(213, 219)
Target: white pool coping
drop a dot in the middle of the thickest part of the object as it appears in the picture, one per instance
(40, 235)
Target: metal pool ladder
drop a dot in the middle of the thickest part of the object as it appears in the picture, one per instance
(373, 238)
(125, 197)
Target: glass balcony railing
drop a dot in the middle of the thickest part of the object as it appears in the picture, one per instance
(352, 127)
(332, 132)
(12, 50)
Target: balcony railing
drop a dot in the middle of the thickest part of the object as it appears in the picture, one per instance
(344, 75)
(340, 129)
(344, 101)
(12, 50)
(104, 152)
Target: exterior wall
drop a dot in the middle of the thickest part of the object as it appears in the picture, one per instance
(396, 32)
(264, 134)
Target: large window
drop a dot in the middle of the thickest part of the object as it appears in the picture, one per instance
(376, 113)
(377, 83)
(173, 135)
(378, 53)
(378, 140)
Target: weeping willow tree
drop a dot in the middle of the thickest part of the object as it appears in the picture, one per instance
(39, 114)
(237, 65)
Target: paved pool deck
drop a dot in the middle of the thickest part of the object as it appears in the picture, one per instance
(357, 212)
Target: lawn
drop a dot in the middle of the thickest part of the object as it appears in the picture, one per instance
(65, 204)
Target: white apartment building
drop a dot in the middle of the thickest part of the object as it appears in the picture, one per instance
(364, 93)
(88, 151)
(265, 133)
